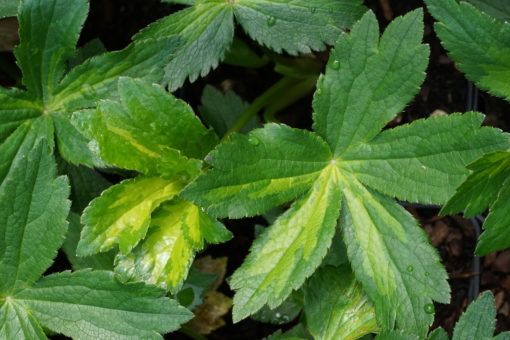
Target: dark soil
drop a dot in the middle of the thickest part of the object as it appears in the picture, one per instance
(115, 21)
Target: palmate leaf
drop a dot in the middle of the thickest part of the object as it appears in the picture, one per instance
(488, 186)
(206, 30)
(347, 313)
(150, 131)
(49, 30)
(477, 42)
(373, 79)
(82, 305)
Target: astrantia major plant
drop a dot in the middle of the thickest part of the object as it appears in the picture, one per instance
(345, 175)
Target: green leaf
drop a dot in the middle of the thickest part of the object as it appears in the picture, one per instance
(49, 31)
(178, 230)
(429, 163)
(498, 9)
(205, 31)
(502, 336)
(95, 305)
(368, 81)
(86, 184)
(23, 140)
(479, 320)
(196, 284)
(290, 250)
(242, 55)
(17, 323)
(396, 335)
(121, 215)
(72, 145)
(296, 333)
(103, 261)
(254, 173)
(336, 306)
(9, 8)
(284, 313)
(488, 186)
(149, 131)
(438, 334)
(97, 77)
(221, 111)
(31, 201)
(400, 271)
(16, 107)
(477, 42)
(297, 26)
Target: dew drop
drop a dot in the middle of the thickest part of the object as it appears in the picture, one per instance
(319, 91)
(335, 65)
(277, 315)
(410, 268)
(313, 10)
(271, 21)
(429, 308)
(427, 274)
(253, 140)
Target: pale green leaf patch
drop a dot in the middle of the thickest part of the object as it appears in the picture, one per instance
(206, 30)
(336, 307)
(178, 230)
(477, 42)
(83, 305)
(122, 214)
(488, 186)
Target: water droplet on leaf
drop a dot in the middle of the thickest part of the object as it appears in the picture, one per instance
(335, 65)
(410, 268)
(427, 273)
(313, 10)
(271, 21)
(253, 140)
(429, 308)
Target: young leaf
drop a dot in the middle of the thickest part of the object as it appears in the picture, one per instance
(286, 254)
(479, 320)
(122, 214)
(391, 256)
(95, 305)
(31, 200)
(178, 230)
(206, 30)
(347, 313)
(477, 42)
(488, 186)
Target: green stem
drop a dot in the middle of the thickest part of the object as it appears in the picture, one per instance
(274, 93)
(302, 88)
